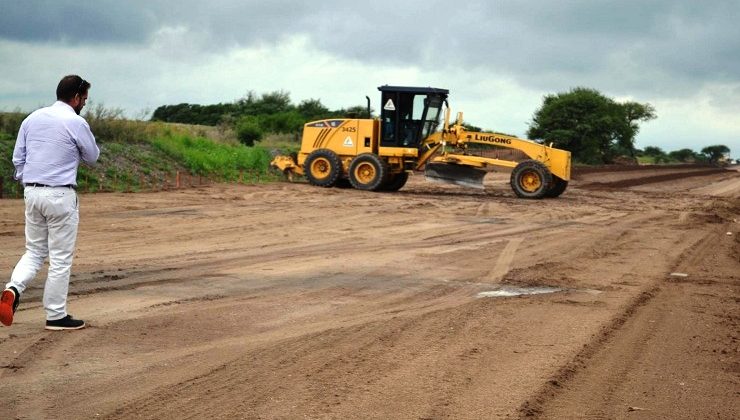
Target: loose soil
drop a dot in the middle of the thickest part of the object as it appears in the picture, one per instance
(292, 301)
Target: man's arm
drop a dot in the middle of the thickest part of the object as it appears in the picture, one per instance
(89, 151)
(19, 152)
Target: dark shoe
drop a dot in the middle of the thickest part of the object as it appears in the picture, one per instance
(9, 301)
(66, 323)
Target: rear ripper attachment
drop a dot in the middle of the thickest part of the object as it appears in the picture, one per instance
(378, 154)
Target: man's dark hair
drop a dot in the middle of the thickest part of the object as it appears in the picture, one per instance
(70, 86)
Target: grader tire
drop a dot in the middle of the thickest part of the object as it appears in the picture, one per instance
(343, 183)
(531, 179)
(368, 172)
(557, 187)
(395, 182)
(322, 168)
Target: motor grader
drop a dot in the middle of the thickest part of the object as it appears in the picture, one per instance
(378, 154)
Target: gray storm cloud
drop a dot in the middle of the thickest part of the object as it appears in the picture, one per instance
(647, 45)
(681, 40)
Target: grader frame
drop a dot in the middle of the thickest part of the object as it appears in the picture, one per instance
(378, 154)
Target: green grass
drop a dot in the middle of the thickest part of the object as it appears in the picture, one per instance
(127, 167)
(284, 143)
(138, 155)
(204, 157)
(10, 187)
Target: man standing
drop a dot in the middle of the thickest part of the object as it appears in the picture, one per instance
(50, 144)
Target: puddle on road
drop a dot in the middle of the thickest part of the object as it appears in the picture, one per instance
(508, 291)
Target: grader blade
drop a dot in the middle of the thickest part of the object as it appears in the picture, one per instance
(465, 176)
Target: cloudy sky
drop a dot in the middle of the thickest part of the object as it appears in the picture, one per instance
(498, 58)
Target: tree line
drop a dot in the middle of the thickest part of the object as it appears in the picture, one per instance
(254, 116)
(710, 154)
(596, 129)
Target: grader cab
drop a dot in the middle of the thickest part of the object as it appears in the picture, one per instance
(378, 154)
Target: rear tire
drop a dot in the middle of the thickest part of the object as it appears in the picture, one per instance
(530, 179)
(395, 182)
(322, 168)
(368, 172)
(343, 183)
(557, 187)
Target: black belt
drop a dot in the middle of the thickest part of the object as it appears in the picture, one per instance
(36, 184)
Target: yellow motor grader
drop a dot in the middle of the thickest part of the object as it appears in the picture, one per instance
(378, 154)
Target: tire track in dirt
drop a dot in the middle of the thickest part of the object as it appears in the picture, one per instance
(362, 345)
(332, 373)
(443, 398)
(31, 351)
(533, 407)
(592, 384)
(503, 263)
(363, 305)
(205, 264)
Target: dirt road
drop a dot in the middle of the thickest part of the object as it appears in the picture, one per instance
(291, 301)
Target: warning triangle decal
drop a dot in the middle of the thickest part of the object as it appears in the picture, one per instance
(389, 105)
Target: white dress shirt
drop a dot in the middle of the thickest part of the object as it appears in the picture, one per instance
(50, 144)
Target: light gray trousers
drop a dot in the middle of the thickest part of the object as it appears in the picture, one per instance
(52, 216)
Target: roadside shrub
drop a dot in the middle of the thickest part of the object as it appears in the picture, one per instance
(10, 122)
(248, 130)
(110, 125)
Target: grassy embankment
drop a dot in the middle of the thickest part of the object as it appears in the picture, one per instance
(138, 155)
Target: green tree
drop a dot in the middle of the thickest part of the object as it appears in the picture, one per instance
(653, 151)
(630, 114)
(716, 152)
(270, 112)
(268, 103)
(683, 155)
(274, 102)
(248, 130)
(357, 111)
(593, 127)
(313, 109)
(245, 105)
(656, 153)
(282, 122)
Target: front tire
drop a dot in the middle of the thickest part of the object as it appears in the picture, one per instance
(322, 168)
(557, 187)
(368, 172)
(395, 182)
(531, 179)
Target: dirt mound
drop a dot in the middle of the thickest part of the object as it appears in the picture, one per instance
(642, 180)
